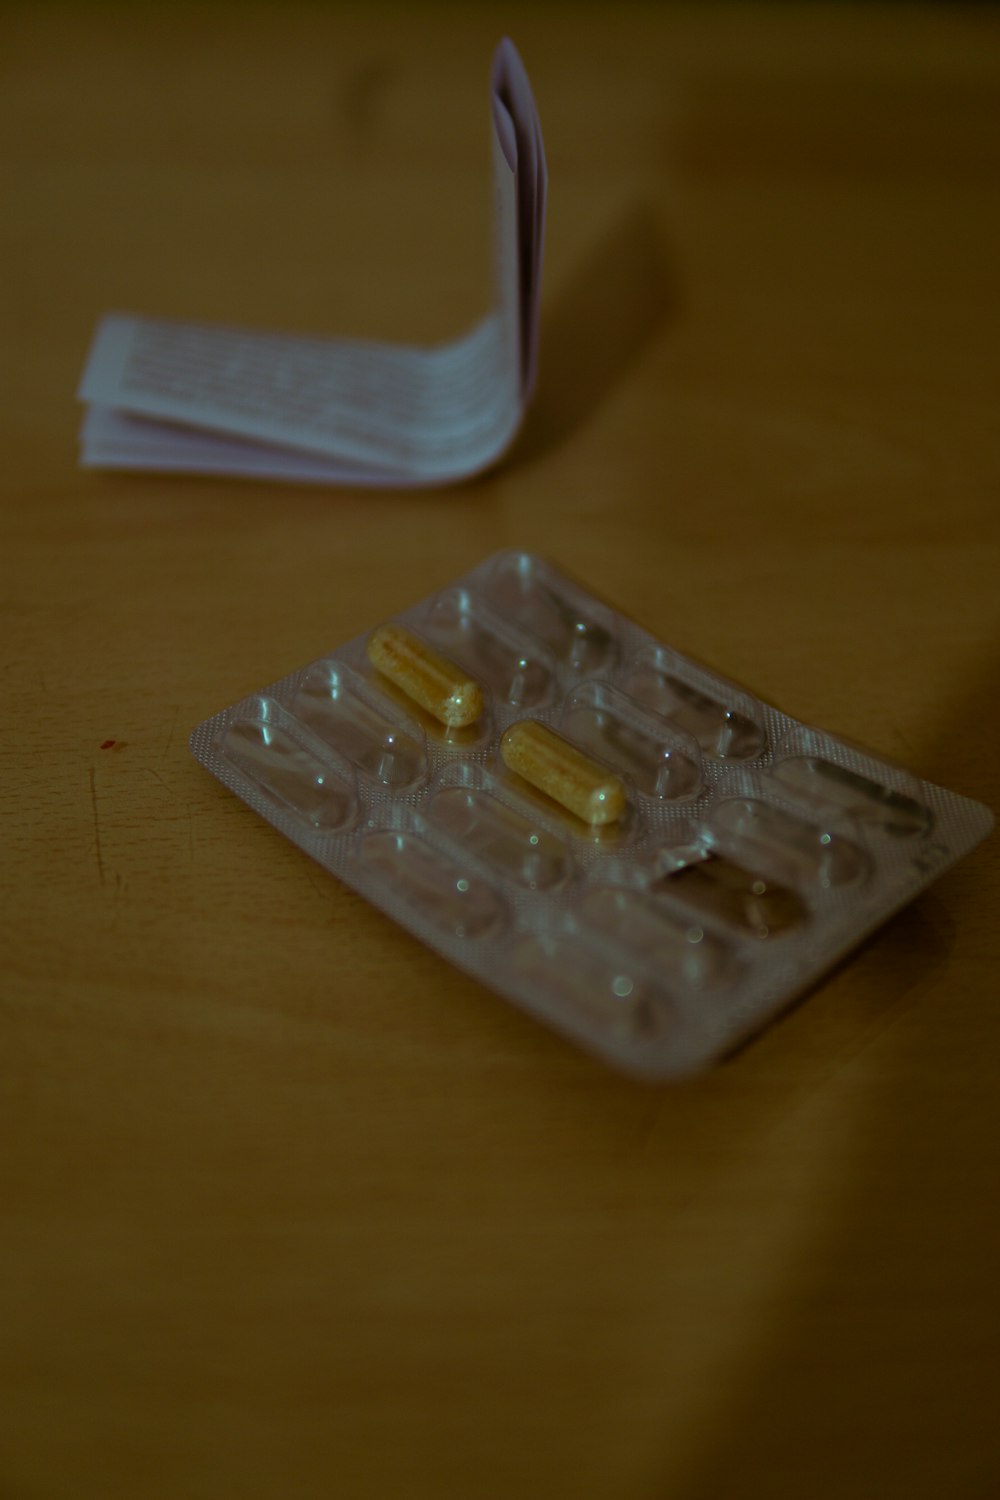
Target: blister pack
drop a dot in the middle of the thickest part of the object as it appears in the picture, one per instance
(622, 842)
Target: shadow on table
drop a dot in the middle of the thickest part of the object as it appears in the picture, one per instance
(597, 327)
(875, 1376)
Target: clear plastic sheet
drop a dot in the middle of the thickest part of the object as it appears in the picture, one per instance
(725, 856)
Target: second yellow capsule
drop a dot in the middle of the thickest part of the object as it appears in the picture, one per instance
(554, 766)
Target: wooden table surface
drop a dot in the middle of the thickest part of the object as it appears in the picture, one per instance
(289, 1207)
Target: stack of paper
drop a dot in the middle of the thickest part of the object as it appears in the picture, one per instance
(201, 398)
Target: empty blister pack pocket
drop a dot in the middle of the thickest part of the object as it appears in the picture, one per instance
(475, 812)
(277, 754)
(660, 760)
(724, 722)
(406, 863)
(333, 702)
(630, 847)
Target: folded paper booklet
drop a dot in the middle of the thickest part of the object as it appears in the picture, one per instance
(207, 399)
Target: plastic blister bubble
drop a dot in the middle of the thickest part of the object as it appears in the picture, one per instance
(660, 761)
(376, 738)
(724, 722)
(578, 632)
(627, 845)
(592, 984)
(884, 799)
(736, 895)
(671, 942)
(430, 882)
(470, 808)
(271, 749)
(516, 671)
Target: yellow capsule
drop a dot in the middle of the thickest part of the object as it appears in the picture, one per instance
(436, 683)
(564, 773)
